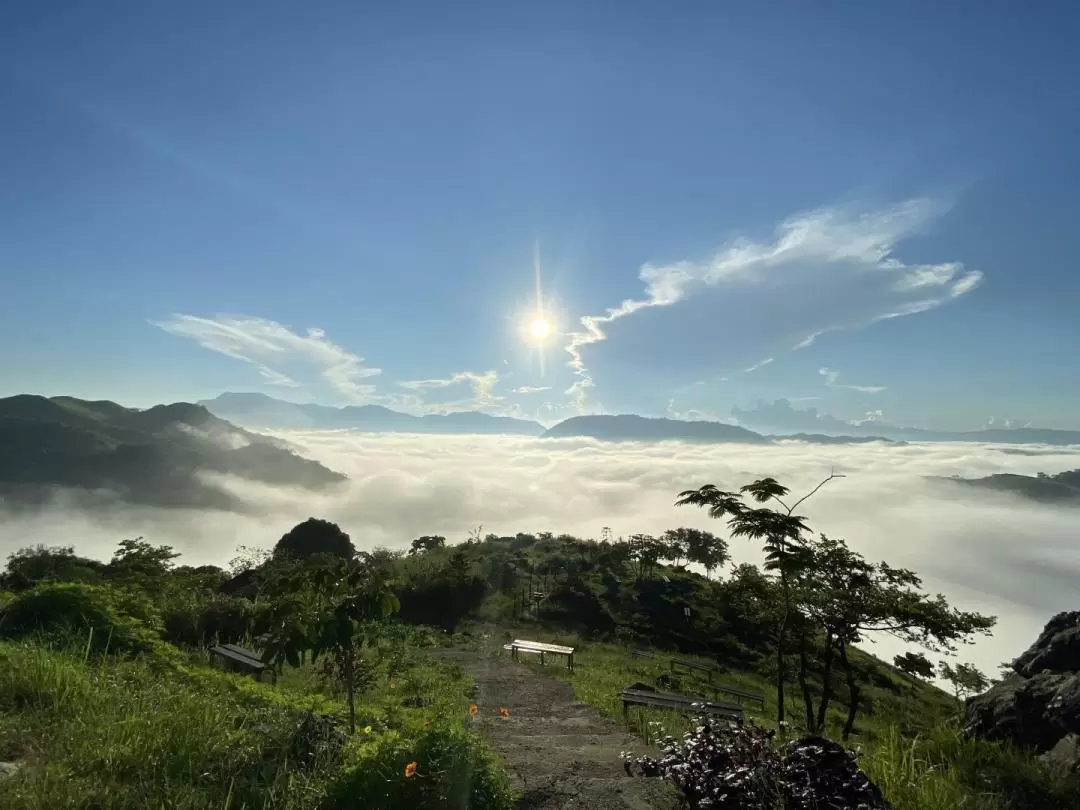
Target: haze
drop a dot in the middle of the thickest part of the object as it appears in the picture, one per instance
(989, 552)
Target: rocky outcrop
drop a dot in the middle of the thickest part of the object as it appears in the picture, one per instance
(1038, 706)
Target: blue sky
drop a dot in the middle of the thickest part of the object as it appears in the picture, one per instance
(343, 203)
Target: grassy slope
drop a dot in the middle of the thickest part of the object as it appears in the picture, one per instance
(144, 733)
(911, 746)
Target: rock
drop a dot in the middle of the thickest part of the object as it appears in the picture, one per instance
(1056, 650)
(1063, 759)
(9, 769)
(1038, 708)
(1017, 710)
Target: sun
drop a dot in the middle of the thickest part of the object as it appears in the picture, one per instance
(539, 328)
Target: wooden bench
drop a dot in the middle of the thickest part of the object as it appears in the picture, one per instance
(518, 646)
(238, 659)
(643, 654)
(741, 695)
(682, 703)
(708, 669)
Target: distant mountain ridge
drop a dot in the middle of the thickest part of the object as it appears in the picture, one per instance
(153, 456)
(779, 417)
(260, 410)
(1062, 488)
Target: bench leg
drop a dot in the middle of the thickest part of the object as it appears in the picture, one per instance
(541, 659)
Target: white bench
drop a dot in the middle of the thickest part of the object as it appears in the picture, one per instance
(518, 646)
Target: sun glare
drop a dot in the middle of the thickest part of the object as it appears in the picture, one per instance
(540, 328)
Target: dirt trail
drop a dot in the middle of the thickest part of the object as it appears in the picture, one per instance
(559, 753)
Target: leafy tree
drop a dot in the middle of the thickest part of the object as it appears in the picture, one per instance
(249, 558)
(312, 537)
(139, 561)
(849, 597)
(966, 679)
(429, 542)
(674, 547)
(326, 609)
(778, 529)
(915, 664)
(644, 552)
(701, 547)
(29, 566)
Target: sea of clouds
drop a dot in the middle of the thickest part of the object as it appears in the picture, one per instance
(984, 550)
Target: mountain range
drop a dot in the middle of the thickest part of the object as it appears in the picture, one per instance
(153, 456)
(261, 411)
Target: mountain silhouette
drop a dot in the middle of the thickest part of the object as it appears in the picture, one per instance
(260, 410)
(151, 456)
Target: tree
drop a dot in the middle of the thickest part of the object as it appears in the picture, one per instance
(916, 665)
(849, 597)
(644, 552)
(966, 679)
(29, 566)
(429, 542)
(139, 561)
(779, 531)
(326, 609)
(674, 546)
(703, 548)
(313, 537)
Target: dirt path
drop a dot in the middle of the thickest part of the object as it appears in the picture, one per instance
(559, 753)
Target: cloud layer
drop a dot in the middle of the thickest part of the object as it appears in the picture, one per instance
(984, 551)
(822, 271)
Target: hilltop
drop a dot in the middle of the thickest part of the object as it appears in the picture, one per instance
(151, 456)
(1062, 488)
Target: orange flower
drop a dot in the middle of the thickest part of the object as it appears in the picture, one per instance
(504, 712)
(410, 769)
(473, 710)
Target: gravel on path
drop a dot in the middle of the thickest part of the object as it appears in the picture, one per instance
(559, 753)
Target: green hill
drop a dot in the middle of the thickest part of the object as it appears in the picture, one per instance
(150, 456)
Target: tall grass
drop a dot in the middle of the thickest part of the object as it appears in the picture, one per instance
(98, 732)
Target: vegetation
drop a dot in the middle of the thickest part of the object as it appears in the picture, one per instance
(360, 715)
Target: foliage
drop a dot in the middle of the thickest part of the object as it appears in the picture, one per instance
(728, 767)
(914, 664)
(966, 679)
(696, 546)
(118, 621)
(314, 537)
(429, 542)
(28, 567)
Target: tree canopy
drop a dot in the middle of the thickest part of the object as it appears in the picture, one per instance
(313, 537)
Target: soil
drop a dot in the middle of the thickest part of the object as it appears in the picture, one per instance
(559, 753)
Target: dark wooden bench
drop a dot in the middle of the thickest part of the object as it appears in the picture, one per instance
(708, 669)
(238, 659)
(681, 703)
(741, 695)
(643, 654)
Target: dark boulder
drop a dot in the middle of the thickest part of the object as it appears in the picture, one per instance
(1038, 708)
(1056, 650)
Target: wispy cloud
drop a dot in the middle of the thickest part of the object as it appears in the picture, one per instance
(831, 376)
(531, 389)
(836, 264)
(481, 384)
(271, 347)
(758, 365)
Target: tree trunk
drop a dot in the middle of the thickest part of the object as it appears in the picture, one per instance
(350, 689)
(826, 681)
(804, 683)
(780, 672)
(853, 692)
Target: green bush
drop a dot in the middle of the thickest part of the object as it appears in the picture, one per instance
(200, 619)
(107, 619)
(453, 768)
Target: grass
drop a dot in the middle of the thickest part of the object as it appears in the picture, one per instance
(911, 746)
(98, 732)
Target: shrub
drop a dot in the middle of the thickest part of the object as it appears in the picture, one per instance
(453, 768)
(117, 620)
